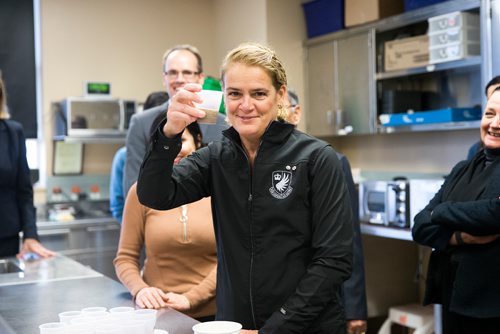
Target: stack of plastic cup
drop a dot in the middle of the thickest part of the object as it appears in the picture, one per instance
(53, 328)
(98, 320)
(67, 316)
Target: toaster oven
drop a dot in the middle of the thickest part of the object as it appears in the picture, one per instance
(395, 202)
(80, 117)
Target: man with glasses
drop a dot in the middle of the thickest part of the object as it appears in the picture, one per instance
(182, 64)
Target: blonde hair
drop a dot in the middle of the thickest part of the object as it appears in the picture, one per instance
(4, 112)
(255, 54)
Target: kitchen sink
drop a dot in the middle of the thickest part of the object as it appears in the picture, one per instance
(8, 267)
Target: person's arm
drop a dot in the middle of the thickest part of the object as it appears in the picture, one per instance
(427, 232)
(136, 148)
(204, 291)
(27, 212)
(116, 196)
(331, 249)
(157, 186)
(481, 217)
(354, 292)
(131, 243)
(24, 191)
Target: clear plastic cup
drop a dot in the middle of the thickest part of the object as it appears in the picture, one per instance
(211, 103)
(133, 326)
(53, 328)
(68, 315)
(83, 322)
(121, 312)
(80, 328)
(108, 329)
(149, 318)
(94, 310)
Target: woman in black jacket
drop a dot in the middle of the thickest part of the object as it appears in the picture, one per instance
(280, 205)
(16, 192)
(462, 225)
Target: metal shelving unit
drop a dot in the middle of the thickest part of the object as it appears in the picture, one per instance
(92, 140)
(324, 58)
(462, 63)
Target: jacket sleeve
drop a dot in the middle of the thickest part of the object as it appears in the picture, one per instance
(159, 186)
(131, 243)
(136, 148)
(25, 191)
(331, 244)
(481, 217)
(116, 196)
(354, 292)
(425, 230)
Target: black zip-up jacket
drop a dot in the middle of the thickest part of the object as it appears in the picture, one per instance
(475, 291)
(283, 227)
(16, 190)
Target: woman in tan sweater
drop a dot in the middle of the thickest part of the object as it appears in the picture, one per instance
(180, 267)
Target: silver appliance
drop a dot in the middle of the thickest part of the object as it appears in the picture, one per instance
(395, 202)
(79, 116)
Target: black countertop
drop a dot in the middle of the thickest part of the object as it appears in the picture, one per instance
(24, 307)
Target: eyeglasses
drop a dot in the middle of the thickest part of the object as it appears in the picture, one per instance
(188, 75)
(291, 107)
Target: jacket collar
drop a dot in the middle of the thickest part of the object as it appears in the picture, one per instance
(276, 132)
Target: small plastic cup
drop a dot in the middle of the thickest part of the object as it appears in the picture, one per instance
(217, 327)
(82, 320)
(133, 326)
(68, 315)
(91, 311)
(211, 103)
(53, 328)
(121, 312)
(80, 328)
(108, 329)
(149, 318)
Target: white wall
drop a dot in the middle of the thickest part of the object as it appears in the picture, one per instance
(238, 21)
(120, 41)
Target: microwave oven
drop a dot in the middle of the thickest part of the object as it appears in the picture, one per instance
(396, 202)
(82, 117)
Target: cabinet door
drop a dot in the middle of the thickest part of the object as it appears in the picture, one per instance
(320, 85)
(355, 67)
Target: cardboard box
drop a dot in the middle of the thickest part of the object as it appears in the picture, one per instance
(363, 11)
(405, 53)
(433, 116)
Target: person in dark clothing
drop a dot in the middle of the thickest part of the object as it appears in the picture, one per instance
(488, 90)
(280, 205)
(354, 292)
(462, 225)
(16, 191)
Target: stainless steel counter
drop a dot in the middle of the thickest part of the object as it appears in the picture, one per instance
(26, 305)
(52, 269)
(92, 241)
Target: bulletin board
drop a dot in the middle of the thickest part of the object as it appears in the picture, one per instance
(68, 158)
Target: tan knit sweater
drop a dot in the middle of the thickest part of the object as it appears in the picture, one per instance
(180, 258)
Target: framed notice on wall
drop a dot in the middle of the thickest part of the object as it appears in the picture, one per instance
(68, 158)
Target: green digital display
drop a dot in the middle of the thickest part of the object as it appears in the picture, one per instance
(101, 88)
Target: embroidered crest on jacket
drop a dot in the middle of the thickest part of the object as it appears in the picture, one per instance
(281, 184)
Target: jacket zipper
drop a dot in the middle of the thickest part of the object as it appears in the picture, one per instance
(183, 219)
(250, 199)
